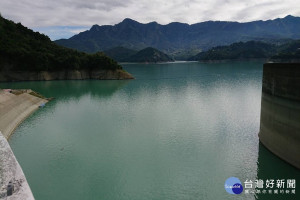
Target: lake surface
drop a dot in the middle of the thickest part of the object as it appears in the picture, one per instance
(177, 131)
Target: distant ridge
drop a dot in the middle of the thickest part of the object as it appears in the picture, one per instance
(176, 38)
(287, 52)
(239, 50)
(120, 54)
(149, 55)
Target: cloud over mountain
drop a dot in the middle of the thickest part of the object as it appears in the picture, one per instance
(86, 13)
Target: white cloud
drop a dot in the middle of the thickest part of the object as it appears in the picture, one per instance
(43, 13)
(89, 12)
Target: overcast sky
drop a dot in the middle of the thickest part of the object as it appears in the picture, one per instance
(63, 18)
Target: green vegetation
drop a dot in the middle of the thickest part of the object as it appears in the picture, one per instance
(120, 54)
(183, 54)
(25, 50)
(289, 51)
(240, 50)
(148, 54)
(250, 50)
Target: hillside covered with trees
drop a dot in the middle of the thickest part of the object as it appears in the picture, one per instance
(251, 50)
(120, 54)
(288, 52)
(22, 49)
(149, 55)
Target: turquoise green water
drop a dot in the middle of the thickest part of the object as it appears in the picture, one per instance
(177, 131)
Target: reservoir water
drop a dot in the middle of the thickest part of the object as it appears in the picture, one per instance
(177, 131)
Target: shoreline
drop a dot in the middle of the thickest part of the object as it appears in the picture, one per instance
(15, 107)
(14, 76)
(234, 60)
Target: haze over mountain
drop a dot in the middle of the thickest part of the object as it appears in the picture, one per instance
(180, 37)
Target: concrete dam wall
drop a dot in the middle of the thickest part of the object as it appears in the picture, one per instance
(280, 111)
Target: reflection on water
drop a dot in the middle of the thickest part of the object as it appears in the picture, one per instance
(176, 132)
(272, 167)
(63, 90)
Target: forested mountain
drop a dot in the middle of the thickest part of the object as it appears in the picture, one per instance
(120, 54)
(251, 50)
(288, 52)
(25, 50)
(180, 37)
(148, 54)
(240, 50)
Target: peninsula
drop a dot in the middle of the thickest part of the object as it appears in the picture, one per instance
(28, 55)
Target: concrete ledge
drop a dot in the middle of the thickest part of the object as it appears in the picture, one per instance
(10, 171)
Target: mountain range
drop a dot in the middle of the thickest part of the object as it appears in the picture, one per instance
(181, 39)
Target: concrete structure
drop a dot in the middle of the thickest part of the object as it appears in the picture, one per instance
(15, 106)
(280, 111)
(12, 174)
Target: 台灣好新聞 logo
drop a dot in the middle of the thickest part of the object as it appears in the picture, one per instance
(233, 186)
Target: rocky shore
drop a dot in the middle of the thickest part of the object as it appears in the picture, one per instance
(118, 74)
